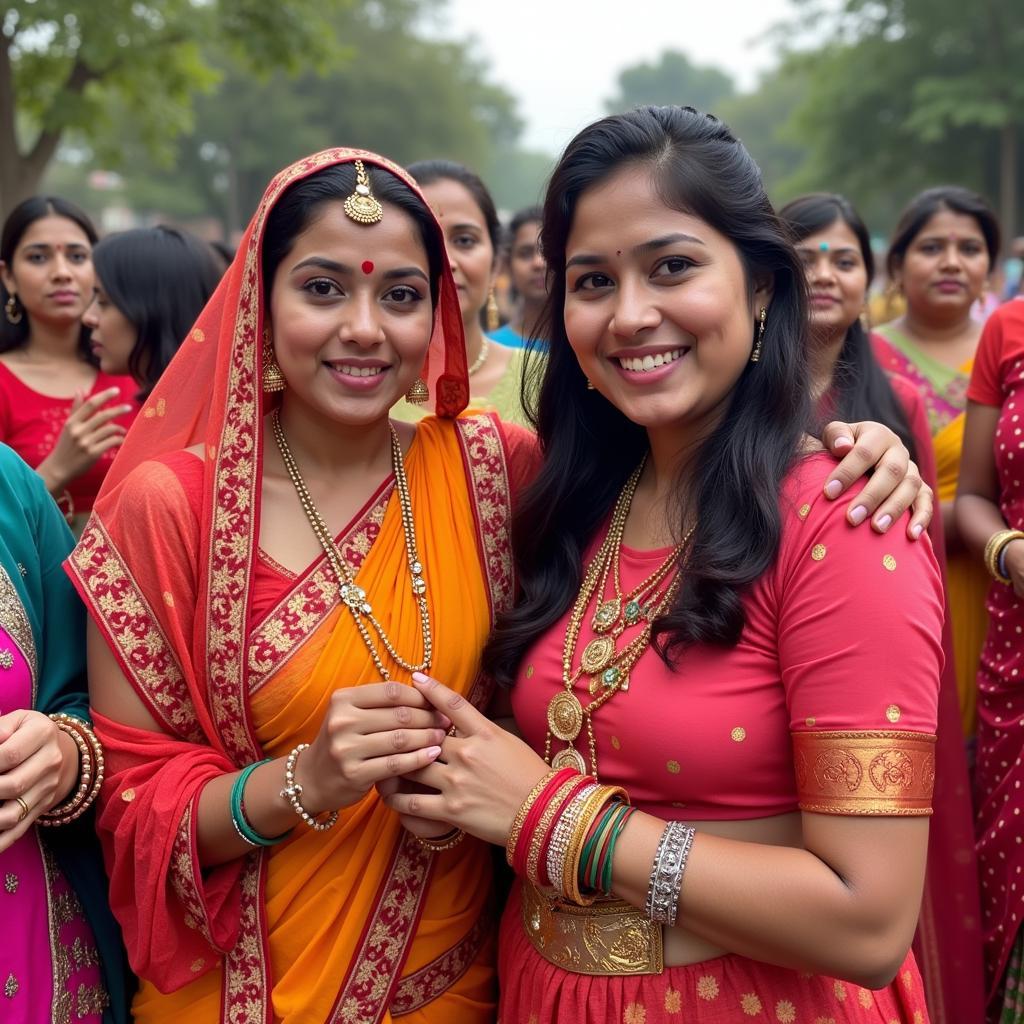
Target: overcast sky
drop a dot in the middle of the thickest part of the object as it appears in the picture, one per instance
(561, 59)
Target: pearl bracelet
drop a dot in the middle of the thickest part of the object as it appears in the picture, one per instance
(90, 771)
(292, 792)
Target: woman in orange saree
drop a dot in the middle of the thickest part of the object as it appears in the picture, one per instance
(219, 639)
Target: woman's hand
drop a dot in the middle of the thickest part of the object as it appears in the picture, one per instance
(88, 432)
(482, 779)
(39, 764)
(895, 484)
(1014, 560)
(370, 733)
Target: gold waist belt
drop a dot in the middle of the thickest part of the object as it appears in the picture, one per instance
(609, 937)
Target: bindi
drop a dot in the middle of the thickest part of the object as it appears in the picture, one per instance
(367, 266)
(823, 246)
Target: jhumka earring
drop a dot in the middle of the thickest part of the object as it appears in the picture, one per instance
(418, 392)
(756, 354)
(493, 313)
(273, 378)
(362, 206)
(12, 310)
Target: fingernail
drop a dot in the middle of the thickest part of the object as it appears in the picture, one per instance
(915, 530)
(833, 488)
(419, 677)
(126, 408)
(858, 515)
(446, 722)
(843, 442)
(433, 752)
(883, 522)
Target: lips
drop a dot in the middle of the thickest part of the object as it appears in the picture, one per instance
(64, 296)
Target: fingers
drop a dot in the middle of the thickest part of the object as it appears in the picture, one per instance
(365, 721)
(376, 769)
(399, 740)
(19, 743)
(890, 491)
(87, 407)
(837, 437)
(463, 715)
(41, 768)
(418, 805)
(922, 511)
(385, 695)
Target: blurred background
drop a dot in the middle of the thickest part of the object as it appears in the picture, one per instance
(180, 111)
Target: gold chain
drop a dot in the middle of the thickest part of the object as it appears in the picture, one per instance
(352, 596)
(485, 351)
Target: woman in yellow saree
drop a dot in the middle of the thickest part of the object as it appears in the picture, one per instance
(943, 249)
(219, 640)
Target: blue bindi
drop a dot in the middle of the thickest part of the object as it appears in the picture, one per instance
(823, 246)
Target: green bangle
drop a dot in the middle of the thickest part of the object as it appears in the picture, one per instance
(238, 819)
(592, 843)
(606, 878)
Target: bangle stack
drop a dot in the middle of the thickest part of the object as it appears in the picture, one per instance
(564, 835)
(662, 904)
(90, 771)
(439, 843)
(292, 792)
(238, 818)
(995, 553)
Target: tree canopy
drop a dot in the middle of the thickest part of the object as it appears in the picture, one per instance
(673, 78)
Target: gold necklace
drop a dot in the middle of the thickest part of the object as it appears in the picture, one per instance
(608, 667)
(485, 351)
(353, 596)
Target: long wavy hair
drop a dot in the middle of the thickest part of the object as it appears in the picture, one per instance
(861, 388)
(590, 448)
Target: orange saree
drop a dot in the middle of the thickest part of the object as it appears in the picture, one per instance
(360, 923)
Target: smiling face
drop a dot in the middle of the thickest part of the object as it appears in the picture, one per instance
(469, 246)
(51, 270)
(350, 314)
(945, 267)
(837, 278)
(657, 305)
(113, 335)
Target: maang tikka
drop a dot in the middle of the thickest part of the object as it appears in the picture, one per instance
(362, 206)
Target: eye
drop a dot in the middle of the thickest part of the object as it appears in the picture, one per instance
(672, 266)
(847, 264)
(322, 288)
(404, 295)
(465, 241)
(970, 248)
(593, 282)
(78, 257)
(36, 257)
(930, 248)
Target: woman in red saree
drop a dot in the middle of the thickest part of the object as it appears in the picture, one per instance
(219, 639)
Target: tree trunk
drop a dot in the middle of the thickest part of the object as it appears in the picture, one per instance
(1008, 175)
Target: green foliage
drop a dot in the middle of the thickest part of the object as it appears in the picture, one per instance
(673, 79)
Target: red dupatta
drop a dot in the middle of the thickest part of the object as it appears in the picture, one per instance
(171, 595)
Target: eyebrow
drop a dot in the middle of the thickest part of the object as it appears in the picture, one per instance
(341, 268)
(643, 249)
(64, 245)
(832, 251)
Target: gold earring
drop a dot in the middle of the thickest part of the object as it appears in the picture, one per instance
(756, 354)
(12, 310)
(418, 392)
(493, 313)
(865, 319)
(273, 378)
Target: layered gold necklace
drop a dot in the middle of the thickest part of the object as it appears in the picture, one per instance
(353, 596)
(607, 665)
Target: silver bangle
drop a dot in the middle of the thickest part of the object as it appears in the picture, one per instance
(558, 847)
(662, 903)
(292, 792)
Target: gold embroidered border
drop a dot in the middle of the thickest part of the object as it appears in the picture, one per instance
(366, 991)
(245, 993)
(58, 912)
(433, 980)
(15, 621)
(185, 880)
(134, 630)
(297, 616)
(865, 772)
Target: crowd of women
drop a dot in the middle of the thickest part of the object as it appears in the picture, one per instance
(318, 584)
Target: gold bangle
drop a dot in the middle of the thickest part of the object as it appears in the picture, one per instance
(591, 809)
(446, 842)
(519, 820)
(544, 825)
(91, 768)
(994, 549)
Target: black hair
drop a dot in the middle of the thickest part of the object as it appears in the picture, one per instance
(590, 448)
(427, 172)
(19, 220)
(298, 207)
(223, 252)
(160, 278)
(926, 204)
(528, 215)
(861, 387)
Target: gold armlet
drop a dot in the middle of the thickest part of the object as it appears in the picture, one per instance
(864, 772)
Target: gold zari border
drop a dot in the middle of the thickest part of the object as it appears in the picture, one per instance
(865, 772)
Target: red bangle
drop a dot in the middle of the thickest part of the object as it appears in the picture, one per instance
(584, 780)
(533, 815)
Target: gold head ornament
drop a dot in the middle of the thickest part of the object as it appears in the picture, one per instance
(362, 206)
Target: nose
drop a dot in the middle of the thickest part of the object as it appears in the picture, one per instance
(91, 317)
(822, 271)
(952, 258)
(61, 267)
(362, 325)
(633, 312)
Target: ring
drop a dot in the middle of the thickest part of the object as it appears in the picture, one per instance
(24, 808)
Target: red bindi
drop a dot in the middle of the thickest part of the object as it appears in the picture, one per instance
(367, 266)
